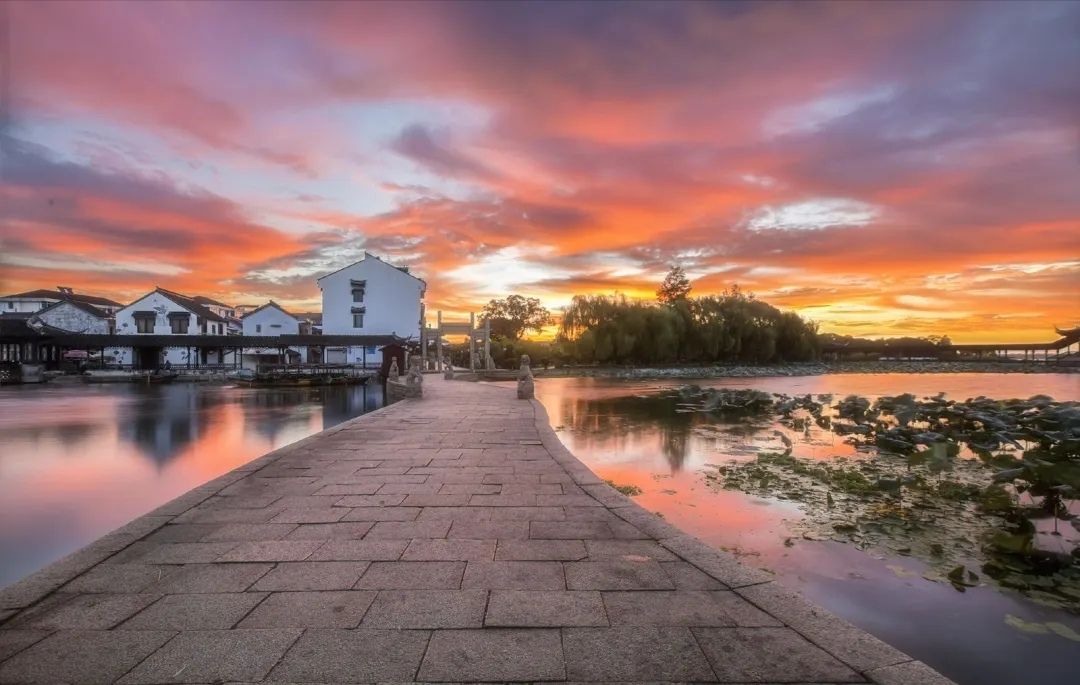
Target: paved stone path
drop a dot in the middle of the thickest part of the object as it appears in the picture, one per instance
(447, 539)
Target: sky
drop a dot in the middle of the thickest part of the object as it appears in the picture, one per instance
(906, 168)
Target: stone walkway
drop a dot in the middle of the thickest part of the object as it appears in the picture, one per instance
(450, 539)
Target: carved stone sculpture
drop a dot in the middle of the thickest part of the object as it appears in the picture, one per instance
(415, 375)
(393, 373)
(525, 386)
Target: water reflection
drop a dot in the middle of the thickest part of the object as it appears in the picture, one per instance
(79, 460)
(650, 443)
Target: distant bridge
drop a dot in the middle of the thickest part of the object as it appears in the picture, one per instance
(1056, 350)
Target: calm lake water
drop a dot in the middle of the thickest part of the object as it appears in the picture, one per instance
(79, 460)
(964, 635)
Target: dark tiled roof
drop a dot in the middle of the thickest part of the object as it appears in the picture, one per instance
(73, 297)
(191, 305)
(206, 300)
(88, 308)
(273, 304)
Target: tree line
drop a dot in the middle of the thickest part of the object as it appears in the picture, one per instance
(733, 326)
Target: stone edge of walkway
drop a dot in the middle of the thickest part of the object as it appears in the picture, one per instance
(873, 658)
(869, 656)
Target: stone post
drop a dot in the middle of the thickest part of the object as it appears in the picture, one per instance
(488, 361)
(472, 342)
(525, 385)
(393, 373)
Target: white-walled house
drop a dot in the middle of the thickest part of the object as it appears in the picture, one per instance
(36, 300)
(72, 317)
(167, 313)
(371, 297)
(270, 319)
(226, 312)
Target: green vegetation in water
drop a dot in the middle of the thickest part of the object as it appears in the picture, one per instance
(969, 518)
(628, 490)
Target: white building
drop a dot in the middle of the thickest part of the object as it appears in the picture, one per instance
(270, 319)
(72, 317)
(370, 297)
(266, 321)
(231, 316)
(167, 313)
(36, 300)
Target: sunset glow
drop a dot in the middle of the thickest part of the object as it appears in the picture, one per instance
(881, 168)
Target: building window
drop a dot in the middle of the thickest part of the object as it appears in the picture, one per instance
(179, 324)
(258, 328)
(11, 305)
(144, 324)
(357, 294)
(357, 320)
(372, 349)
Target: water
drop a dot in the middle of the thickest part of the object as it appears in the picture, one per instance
(79, 460)
(964, 635)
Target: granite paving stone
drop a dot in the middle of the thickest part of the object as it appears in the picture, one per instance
(82, 656)
(312, 575)
(617, 549)
(353, 656)
(769, 655)
(333, 609)
(376, 514)
(212, 578)
(544, 609)
(14, 641)
(686, 576)
(540, 550)
(413, 575)
(185, 552)
(489, 530)
(494, 654)
(514, 575)
(360, 550)
(404, 530)
(85, 612)
(330, 531)
(569, 530)
(272, 550)
(119, 577)
(195, 612)
(678, 608)
(449, 550)
(211, 656)
(617, 574)
(247, 532)
(402, 609)
(647, 653)
(312, 515)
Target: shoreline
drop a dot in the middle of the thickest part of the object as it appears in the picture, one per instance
(806, 369)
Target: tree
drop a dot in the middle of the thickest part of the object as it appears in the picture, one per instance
(511, 317)
(676, 286)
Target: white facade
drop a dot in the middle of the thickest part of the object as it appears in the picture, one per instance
(169, 317)
(270, 319)
(36, 300)
(372, 297)
(68, 316)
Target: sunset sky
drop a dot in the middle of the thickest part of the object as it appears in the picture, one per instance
(884, 169)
